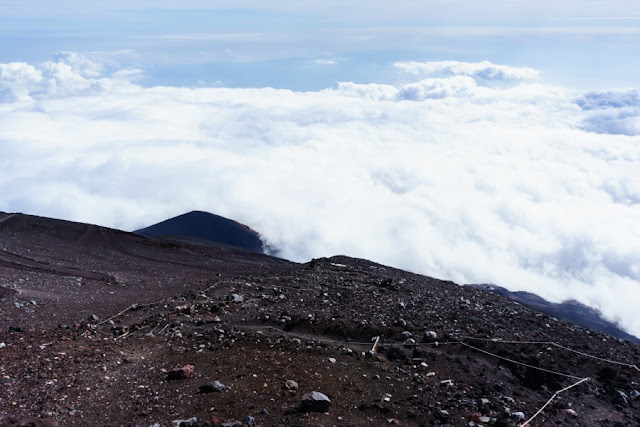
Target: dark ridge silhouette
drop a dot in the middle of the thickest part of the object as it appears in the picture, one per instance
(571, 311)
(199, 225)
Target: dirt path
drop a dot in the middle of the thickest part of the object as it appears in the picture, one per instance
(9, 216)
(10, 260)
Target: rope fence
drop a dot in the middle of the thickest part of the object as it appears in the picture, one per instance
(629, 365)
(460, 342)
(526, 423)
(520, 363)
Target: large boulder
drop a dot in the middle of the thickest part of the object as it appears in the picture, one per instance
(315, 402)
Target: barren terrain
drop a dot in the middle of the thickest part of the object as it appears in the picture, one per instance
(102, 327)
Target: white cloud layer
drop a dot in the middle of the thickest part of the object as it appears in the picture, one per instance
(612, 111)
(471, 172)
(484, 71)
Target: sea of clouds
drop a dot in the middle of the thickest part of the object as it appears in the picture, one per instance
(473, 172)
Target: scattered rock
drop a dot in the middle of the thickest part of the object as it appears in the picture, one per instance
(483, 401)
(290, 385)
(430, 336)
(181, 373)
(235, 298)
(623, 396)
(517, 415)
(242, 344)
(482, 419)
(17, 329)
(442, 415)
(193, 421)
(315, 402)
(213, 386)
(219, 422)
(184, 309)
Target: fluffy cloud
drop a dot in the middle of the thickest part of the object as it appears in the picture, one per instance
(611, 111)
(482, 71)
(445, 175)
(18, 80)
(67, 75)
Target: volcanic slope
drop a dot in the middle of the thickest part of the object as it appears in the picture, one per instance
(206, 226)
(73, 270)
(172, 319)
(572, 311)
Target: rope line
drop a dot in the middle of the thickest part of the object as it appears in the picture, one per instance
(204, 291)
(526, 423)
(497, 341)
(520, 363)
(452, 342)
(629, 365)
(597, 358)
(297, 335)
(132, 307)
(137, 306)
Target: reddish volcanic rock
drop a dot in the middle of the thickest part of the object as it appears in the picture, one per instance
(181, 373)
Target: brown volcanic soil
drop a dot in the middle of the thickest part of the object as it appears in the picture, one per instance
(73, 270)
(312, 323)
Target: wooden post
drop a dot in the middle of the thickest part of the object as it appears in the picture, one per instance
(375, 344)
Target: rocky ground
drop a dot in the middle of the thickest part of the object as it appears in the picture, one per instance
(100, 327)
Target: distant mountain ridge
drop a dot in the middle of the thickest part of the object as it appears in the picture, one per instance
(571, 311)
(206, 226)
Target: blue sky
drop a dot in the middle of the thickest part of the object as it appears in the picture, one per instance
(316, 44)
(480, 142)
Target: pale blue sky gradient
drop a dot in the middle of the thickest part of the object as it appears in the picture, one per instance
(313, 45)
